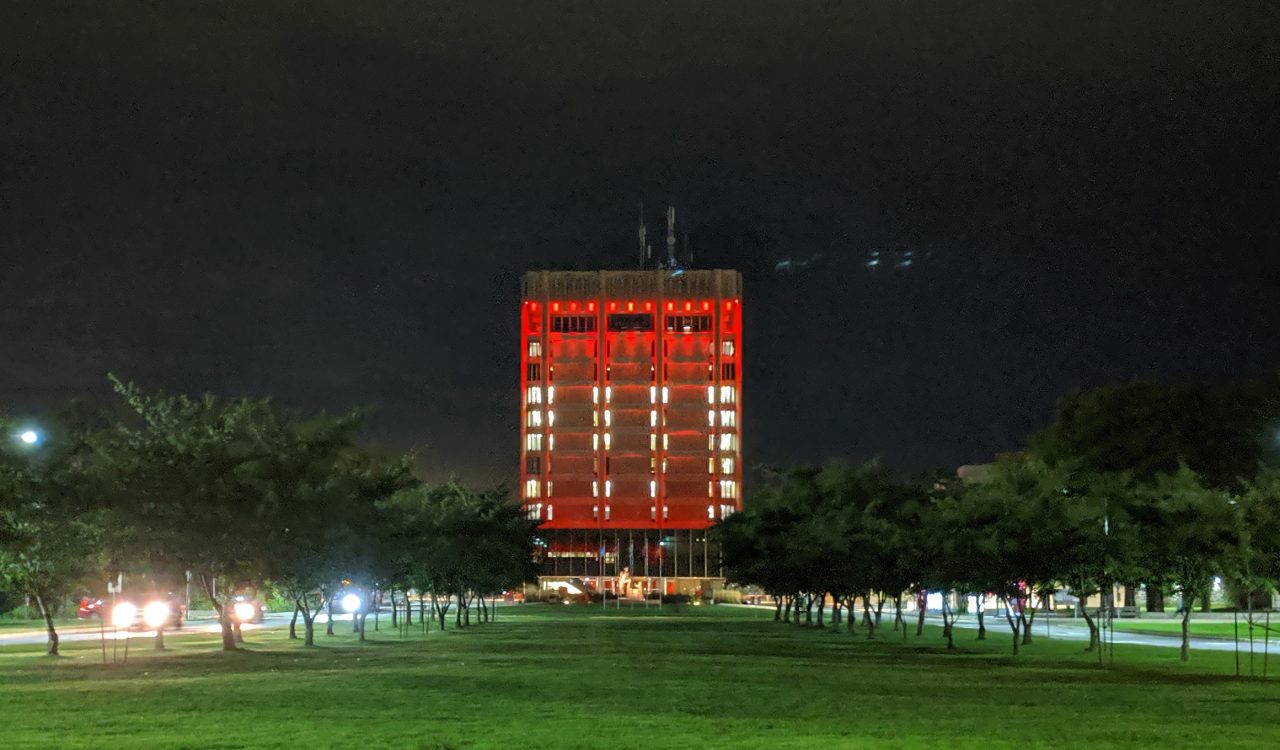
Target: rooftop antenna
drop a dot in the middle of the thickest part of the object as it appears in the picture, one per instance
(671, 236)
(645, 252)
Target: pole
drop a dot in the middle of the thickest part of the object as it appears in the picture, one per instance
(102, 635)
(1266, 644)
(647, 583)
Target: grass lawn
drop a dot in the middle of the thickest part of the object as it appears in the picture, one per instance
(553, 677)
(1215, 628)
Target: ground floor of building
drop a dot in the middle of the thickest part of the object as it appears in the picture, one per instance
(629, 563)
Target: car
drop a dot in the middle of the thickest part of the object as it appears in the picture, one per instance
(134, 611)
(247, 609)
(513, 597)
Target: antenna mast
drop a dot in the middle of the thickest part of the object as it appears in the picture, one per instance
(671, 236)
(643, 247)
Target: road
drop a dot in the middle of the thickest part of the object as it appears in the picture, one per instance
(91, 632)
(1076, 630)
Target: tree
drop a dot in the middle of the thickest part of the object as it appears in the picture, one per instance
(1189, 532)
(182, 489)
(49, 543)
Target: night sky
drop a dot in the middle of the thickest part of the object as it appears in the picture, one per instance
(333, 203)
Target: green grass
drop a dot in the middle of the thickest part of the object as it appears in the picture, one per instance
(1215, 628)
(549, 677)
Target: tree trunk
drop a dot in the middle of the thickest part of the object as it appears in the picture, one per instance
(293, 623)
(1027, 623)
(1155, 597)
(879, 606)
(897, 614)
(1093, 627)
(835, 610)
(408, 610)
(224, 614)
(808, 609)
(850, 613)
(947, 621)
(238, 631)
(786, 609)
(308, 621)
(50, 630)
(777, 609)
(1015, 623)
(395, 610)
(982, 617)
(866, 616)
(822, 609)
(360, 621)
(922, 602)
(328, 628)
(1185, 653)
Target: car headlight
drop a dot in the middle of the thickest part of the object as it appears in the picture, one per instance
(155, 614)
(244, 611)
(123, 614)
(350, 603)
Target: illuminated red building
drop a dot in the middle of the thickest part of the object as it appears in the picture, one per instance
(631, 401)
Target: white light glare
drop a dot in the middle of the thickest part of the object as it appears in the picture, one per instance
(350, 603)
(155, 614)
(30, 437)
(123, 615)
(244, 611)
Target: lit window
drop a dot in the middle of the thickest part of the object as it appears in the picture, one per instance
(653, 488)
(535, 348)
(533, 441)
(550, 512)
(608, 418)
(728, 417)
(728, 442)
(551, 419)
(664, 466)
(653, 442)
(595, 488)
(653, 394)
(728, 395)
(666, 395)
(595, 394)
(711, 466)
(664, 441)
(533, 395)
(608, 487)
(531, 487)
(551, 394)
(711, 418)
(606, 441)
(653, 417)
(711, 511)
(711, 441)
(534, 419)
(711, 394)
(726, 348)
(548, 488)
(608, 393)
(726, 465)
(595, 441)
(711, 488)
(551, 442)
(728, 489)
(607, 512)
(595, 419)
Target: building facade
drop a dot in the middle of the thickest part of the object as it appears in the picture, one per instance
(631, 442)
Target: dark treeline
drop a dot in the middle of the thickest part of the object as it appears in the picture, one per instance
(1164, 486)
(240, 494)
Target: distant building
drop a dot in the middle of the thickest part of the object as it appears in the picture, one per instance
(631, 404)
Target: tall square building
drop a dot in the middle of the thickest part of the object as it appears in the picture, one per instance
(631, 404)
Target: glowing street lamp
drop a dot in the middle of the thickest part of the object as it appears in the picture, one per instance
(29, 437)
(350, 603)
(155, 614)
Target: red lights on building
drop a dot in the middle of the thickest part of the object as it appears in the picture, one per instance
(631, 419)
